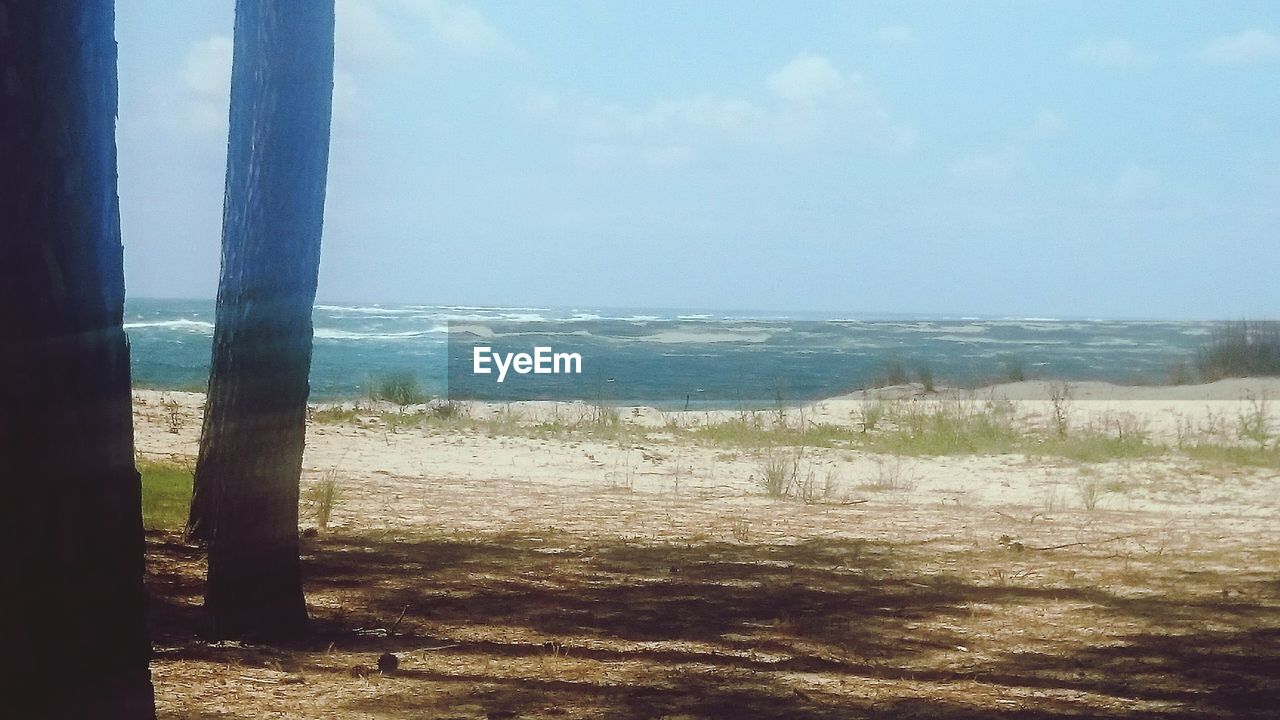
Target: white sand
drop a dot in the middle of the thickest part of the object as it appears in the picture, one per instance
(401, 478)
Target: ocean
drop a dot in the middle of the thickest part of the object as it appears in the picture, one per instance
(673, 359)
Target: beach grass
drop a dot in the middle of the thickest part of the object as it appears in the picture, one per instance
(1235, 455)
(947, 428)
(166, 494)
(749, 433)
(1241, 349)
(400, 388)
(909, 428)
(322, 497)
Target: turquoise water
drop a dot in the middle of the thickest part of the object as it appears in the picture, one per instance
(668, 358)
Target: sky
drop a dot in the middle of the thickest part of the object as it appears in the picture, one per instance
(1035, 159)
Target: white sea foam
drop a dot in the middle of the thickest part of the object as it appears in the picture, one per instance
(491, 308)
(477, 330)
(695, 336)
(970, 329)
(336, 334)
(966, 339)
(926, 326)
(1110, 342)
(503, 316)
(190, 325)
(369, 310)
(1044, 326)
(485, 331)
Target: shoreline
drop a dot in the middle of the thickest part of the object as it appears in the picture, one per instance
(1225, 390)
(1167, 415)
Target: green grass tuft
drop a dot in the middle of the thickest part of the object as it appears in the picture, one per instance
(753, 432)
(166, 495)
(1235, 455)
(1241, 349)
(947, 428)
(398, 388)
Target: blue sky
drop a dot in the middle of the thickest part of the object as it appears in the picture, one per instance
(1024, 158)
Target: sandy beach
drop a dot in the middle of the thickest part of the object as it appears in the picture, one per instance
(375, 462)
(553, 565)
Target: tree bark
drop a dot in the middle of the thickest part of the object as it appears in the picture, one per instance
(72, 612)
(245, 504)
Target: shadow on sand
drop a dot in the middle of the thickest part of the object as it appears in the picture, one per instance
(509, 626)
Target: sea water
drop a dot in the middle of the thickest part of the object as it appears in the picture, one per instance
(674, 358)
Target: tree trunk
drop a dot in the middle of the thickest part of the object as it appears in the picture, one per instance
(245, 504)
(72, 612)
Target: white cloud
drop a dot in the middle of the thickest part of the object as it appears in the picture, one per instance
(365, 36)
(896, 35)
(808, 101)
(1113, 53)
(815, 100)
(1135, 184)
(206, 85)
(702, 113)
(1010, 159)
(376, 35)
(456, 25)
(207, 69)
(805, 79)
(461, 27)
(383, 32)
(1243, 48)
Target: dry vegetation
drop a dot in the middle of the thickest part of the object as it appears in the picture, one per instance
(958, 557)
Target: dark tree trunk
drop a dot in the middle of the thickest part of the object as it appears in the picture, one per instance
(245, 504)
(73, 636)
